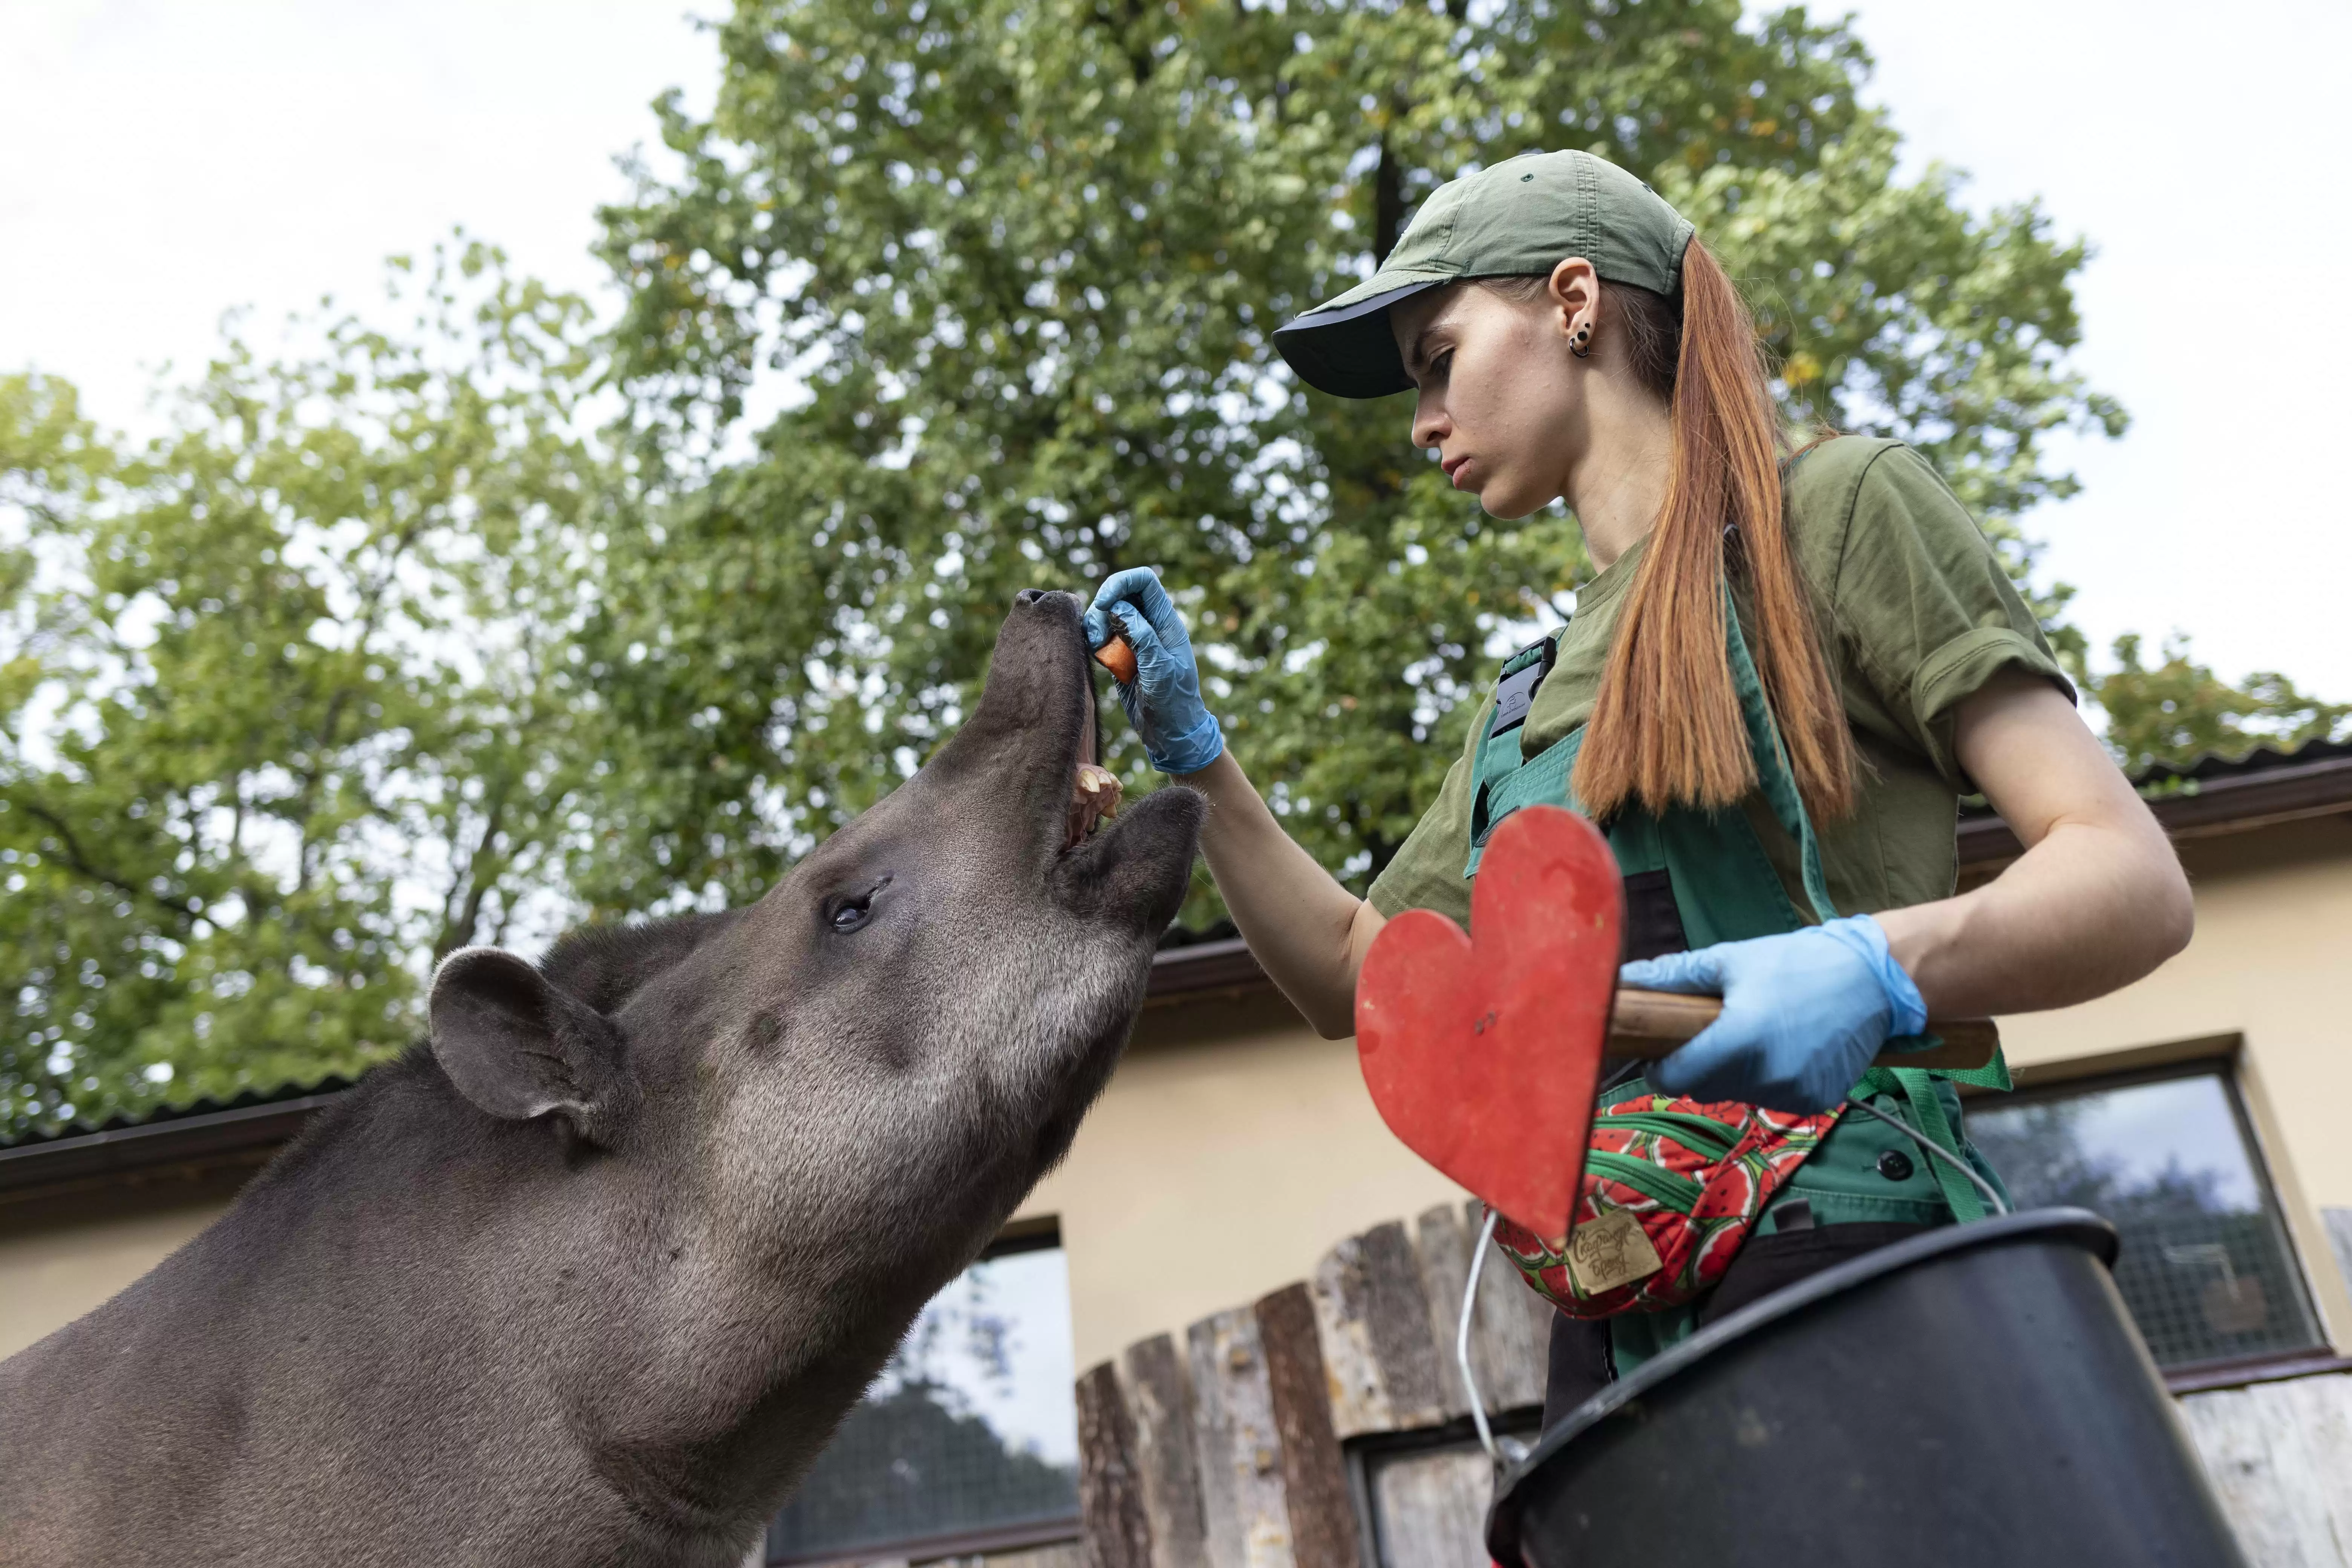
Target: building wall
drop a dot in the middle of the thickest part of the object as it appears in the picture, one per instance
(60, 1256)
(2268, 964)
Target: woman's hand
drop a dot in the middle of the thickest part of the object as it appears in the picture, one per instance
(1803, 1013)
(1163, 701)
(1309, 933)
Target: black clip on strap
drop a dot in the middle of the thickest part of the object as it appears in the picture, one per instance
(1522, 674)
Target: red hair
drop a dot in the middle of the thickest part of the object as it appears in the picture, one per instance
(1665, 727)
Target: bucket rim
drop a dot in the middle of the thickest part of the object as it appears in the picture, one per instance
(2082, 1228)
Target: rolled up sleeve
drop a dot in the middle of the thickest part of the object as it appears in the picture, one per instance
(1930, 614)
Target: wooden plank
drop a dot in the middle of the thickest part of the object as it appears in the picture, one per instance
(1313, 1471)
(1111, 1497)
(1359, 1398)
(1510, 1335)
(1160, 1397)
(1444, 1249)
(2276, 1453)
(1246, 1519)
(1061, 1554)
(2315, 1413)
(1431, 1509)
(1377, 1346)
(1401, 1336)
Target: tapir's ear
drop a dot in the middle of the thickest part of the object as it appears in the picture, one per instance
(519, 1047)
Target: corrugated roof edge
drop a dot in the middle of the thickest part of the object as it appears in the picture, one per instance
(333, 1083)
(2264, 785)
(2212, 794)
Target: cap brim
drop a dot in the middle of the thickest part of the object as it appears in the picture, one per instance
(1347, 349)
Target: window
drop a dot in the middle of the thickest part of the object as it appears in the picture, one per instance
(969, 1440)
(2206, 1267)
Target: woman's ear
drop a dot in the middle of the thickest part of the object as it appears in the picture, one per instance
(519, 1047)
(1574, 292)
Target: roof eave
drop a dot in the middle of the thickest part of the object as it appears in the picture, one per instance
(2238, 803)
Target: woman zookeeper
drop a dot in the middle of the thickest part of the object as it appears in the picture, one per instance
(1788, 671)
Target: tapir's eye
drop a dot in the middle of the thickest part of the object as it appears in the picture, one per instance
(854, 912)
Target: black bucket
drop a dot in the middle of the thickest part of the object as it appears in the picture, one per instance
(1972, 1396)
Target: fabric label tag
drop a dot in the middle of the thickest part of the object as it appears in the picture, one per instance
(1610, 1251)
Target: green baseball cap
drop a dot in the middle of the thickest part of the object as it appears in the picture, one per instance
(1524, 215)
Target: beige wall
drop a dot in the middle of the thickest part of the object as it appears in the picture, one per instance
(58, 1265)
(1231, 1150)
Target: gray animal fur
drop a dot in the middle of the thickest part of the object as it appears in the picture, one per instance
(606, 1303)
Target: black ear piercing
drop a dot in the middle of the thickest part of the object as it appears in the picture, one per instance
(1581, 345)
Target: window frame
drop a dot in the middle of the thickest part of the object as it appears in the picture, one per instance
(2217, 1058)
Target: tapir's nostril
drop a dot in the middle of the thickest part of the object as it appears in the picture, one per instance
(1029, 598)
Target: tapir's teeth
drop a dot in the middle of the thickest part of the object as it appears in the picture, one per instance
(1094, 795)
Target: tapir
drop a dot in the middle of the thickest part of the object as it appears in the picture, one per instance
(590, 1275)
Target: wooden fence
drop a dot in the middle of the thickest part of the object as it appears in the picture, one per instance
(1227, 1451)
(2280, 1454)
(1235, 1448)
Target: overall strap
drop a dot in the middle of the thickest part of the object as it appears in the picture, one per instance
(1773, 773)
(1918, 1091)
(1499, 753)
(1779, 784)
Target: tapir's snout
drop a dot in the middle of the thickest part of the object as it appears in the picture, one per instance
(1022, 745)
(1002, 810)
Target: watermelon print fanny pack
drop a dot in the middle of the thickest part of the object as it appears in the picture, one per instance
(1671, 1189)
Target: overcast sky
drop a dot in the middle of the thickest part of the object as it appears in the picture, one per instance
(171, 159)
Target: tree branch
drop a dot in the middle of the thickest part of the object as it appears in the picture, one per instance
(76, 860)
(1388, 203)
(457, 928)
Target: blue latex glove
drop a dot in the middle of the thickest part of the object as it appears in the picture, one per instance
(1163, 702)
(1803, 1013)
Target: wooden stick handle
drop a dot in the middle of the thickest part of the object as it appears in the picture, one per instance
(1651, 1023)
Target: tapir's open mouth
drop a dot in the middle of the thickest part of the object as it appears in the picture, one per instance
(1095, 793)
(1042, 701)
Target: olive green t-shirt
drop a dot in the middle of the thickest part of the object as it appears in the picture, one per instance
(1916, 615)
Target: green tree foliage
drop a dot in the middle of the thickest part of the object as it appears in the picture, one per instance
(2177, 710)
(375, 654)
(282, 710)
(1021, 259)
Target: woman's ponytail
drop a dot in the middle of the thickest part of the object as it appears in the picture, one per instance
(1665, 727)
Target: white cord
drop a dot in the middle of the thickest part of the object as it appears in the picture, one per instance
(1935, 1149)
(1504, 1450)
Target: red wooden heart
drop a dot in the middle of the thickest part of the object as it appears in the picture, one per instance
(1483, 1052)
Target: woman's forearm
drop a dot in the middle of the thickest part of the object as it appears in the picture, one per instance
(2098, 900)
(1307, 932)
(2084, 911)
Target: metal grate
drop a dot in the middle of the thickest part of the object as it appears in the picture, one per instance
(2206, 1269)
(908, 1467)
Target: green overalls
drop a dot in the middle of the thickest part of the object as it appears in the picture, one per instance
(1695, 879)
